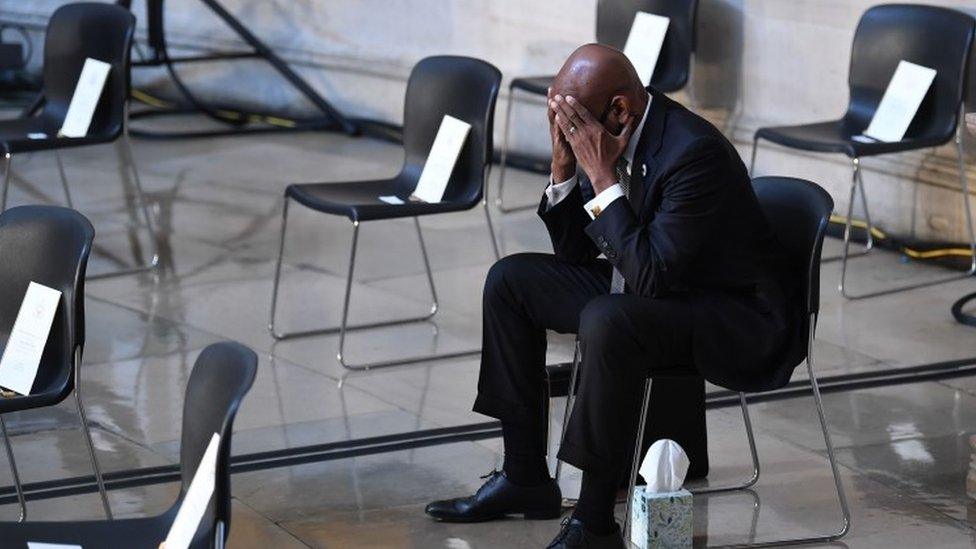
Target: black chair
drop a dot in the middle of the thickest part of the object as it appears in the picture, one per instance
(798, 212)
(75, 33)
(222, 375)
(48, 245)
(462, 87)
(613, 21)
(931, 36)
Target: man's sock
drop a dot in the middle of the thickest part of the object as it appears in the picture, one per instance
(595, 505)
(525, 457)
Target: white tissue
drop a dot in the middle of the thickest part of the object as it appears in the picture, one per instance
(664, 467)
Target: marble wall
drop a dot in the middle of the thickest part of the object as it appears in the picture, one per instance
(772, 61)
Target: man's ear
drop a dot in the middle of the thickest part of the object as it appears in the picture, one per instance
(620, 110)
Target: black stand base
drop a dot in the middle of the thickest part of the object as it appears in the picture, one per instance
(331, 118)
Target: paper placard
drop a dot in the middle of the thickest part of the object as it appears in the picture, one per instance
(22, 355)
(644, 43)
(40, 545)
(196, 500)
(441, 160)
(85, 99)
(390, 199)
(900, 102)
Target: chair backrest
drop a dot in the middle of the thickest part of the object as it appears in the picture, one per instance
(615, 17)
(465, 88)
(935, 37)
(79, 31)
(798, 212)
(222, 375)
(48, 245)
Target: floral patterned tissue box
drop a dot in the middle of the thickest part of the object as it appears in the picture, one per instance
(661, 519)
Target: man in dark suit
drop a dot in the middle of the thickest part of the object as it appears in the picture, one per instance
(693, 284)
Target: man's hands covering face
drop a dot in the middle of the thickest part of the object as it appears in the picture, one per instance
(563, 159)
(596, 149)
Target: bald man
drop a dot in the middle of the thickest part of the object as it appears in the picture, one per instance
(692, 283)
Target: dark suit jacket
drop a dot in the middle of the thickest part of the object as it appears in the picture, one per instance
(695, 231)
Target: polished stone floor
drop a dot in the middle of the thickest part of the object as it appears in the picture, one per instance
(904, 450)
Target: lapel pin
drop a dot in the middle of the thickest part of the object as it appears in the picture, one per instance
(643, 170)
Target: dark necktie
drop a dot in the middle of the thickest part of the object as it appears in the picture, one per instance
(617, 283)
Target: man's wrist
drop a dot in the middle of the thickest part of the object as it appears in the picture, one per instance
(603, 182)
(562, 171)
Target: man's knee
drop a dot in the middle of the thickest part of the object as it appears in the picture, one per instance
(600, 321)
(503, 277)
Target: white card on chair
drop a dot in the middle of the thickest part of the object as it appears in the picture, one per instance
(22, 355)
(441, 160)
(41, 545)
(900, 102)
(644, 43)
(85, 99)
(196, 500)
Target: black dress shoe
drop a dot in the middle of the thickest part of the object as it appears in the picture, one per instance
(499, 497)
(575, 536)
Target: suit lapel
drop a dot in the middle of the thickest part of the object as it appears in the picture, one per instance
(645, 161)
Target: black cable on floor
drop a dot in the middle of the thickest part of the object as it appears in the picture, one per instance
(961, 317)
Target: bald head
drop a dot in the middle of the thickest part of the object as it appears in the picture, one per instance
(604, 80)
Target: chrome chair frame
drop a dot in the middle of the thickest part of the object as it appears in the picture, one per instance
(831, 458)
(21, 498)
(571, 398)
(128, 160)
(344, 326)
(857, 181)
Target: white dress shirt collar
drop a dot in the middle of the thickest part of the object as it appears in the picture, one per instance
(631, 149)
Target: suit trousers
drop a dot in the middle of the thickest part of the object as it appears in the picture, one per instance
(623, 338)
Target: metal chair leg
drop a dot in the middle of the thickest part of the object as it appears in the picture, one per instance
(336, 329)
(857, 183)
(570, 397)
(128, 159)
(64, 178)
(831, 458)
(13, 470)
(219, 535)
(491, 231)
(499, 202)
(838, 483)
(693, 102)
(752, 450)
(6, 182)
(967, 210)
(752, 163)
(642, 423)
(344, 326)
(91, 446)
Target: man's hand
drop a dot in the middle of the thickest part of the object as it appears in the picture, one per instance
(596, 149)
(563, 159)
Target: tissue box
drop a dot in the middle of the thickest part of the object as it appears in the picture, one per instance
(661, 519)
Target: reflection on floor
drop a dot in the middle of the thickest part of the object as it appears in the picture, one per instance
(904, 450)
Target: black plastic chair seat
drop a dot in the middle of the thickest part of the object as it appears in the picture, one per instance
(137, 533)
(835, 137)
(221, 376)
(14, 136)
(538, 85)
(359, 200)
(48, 396)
